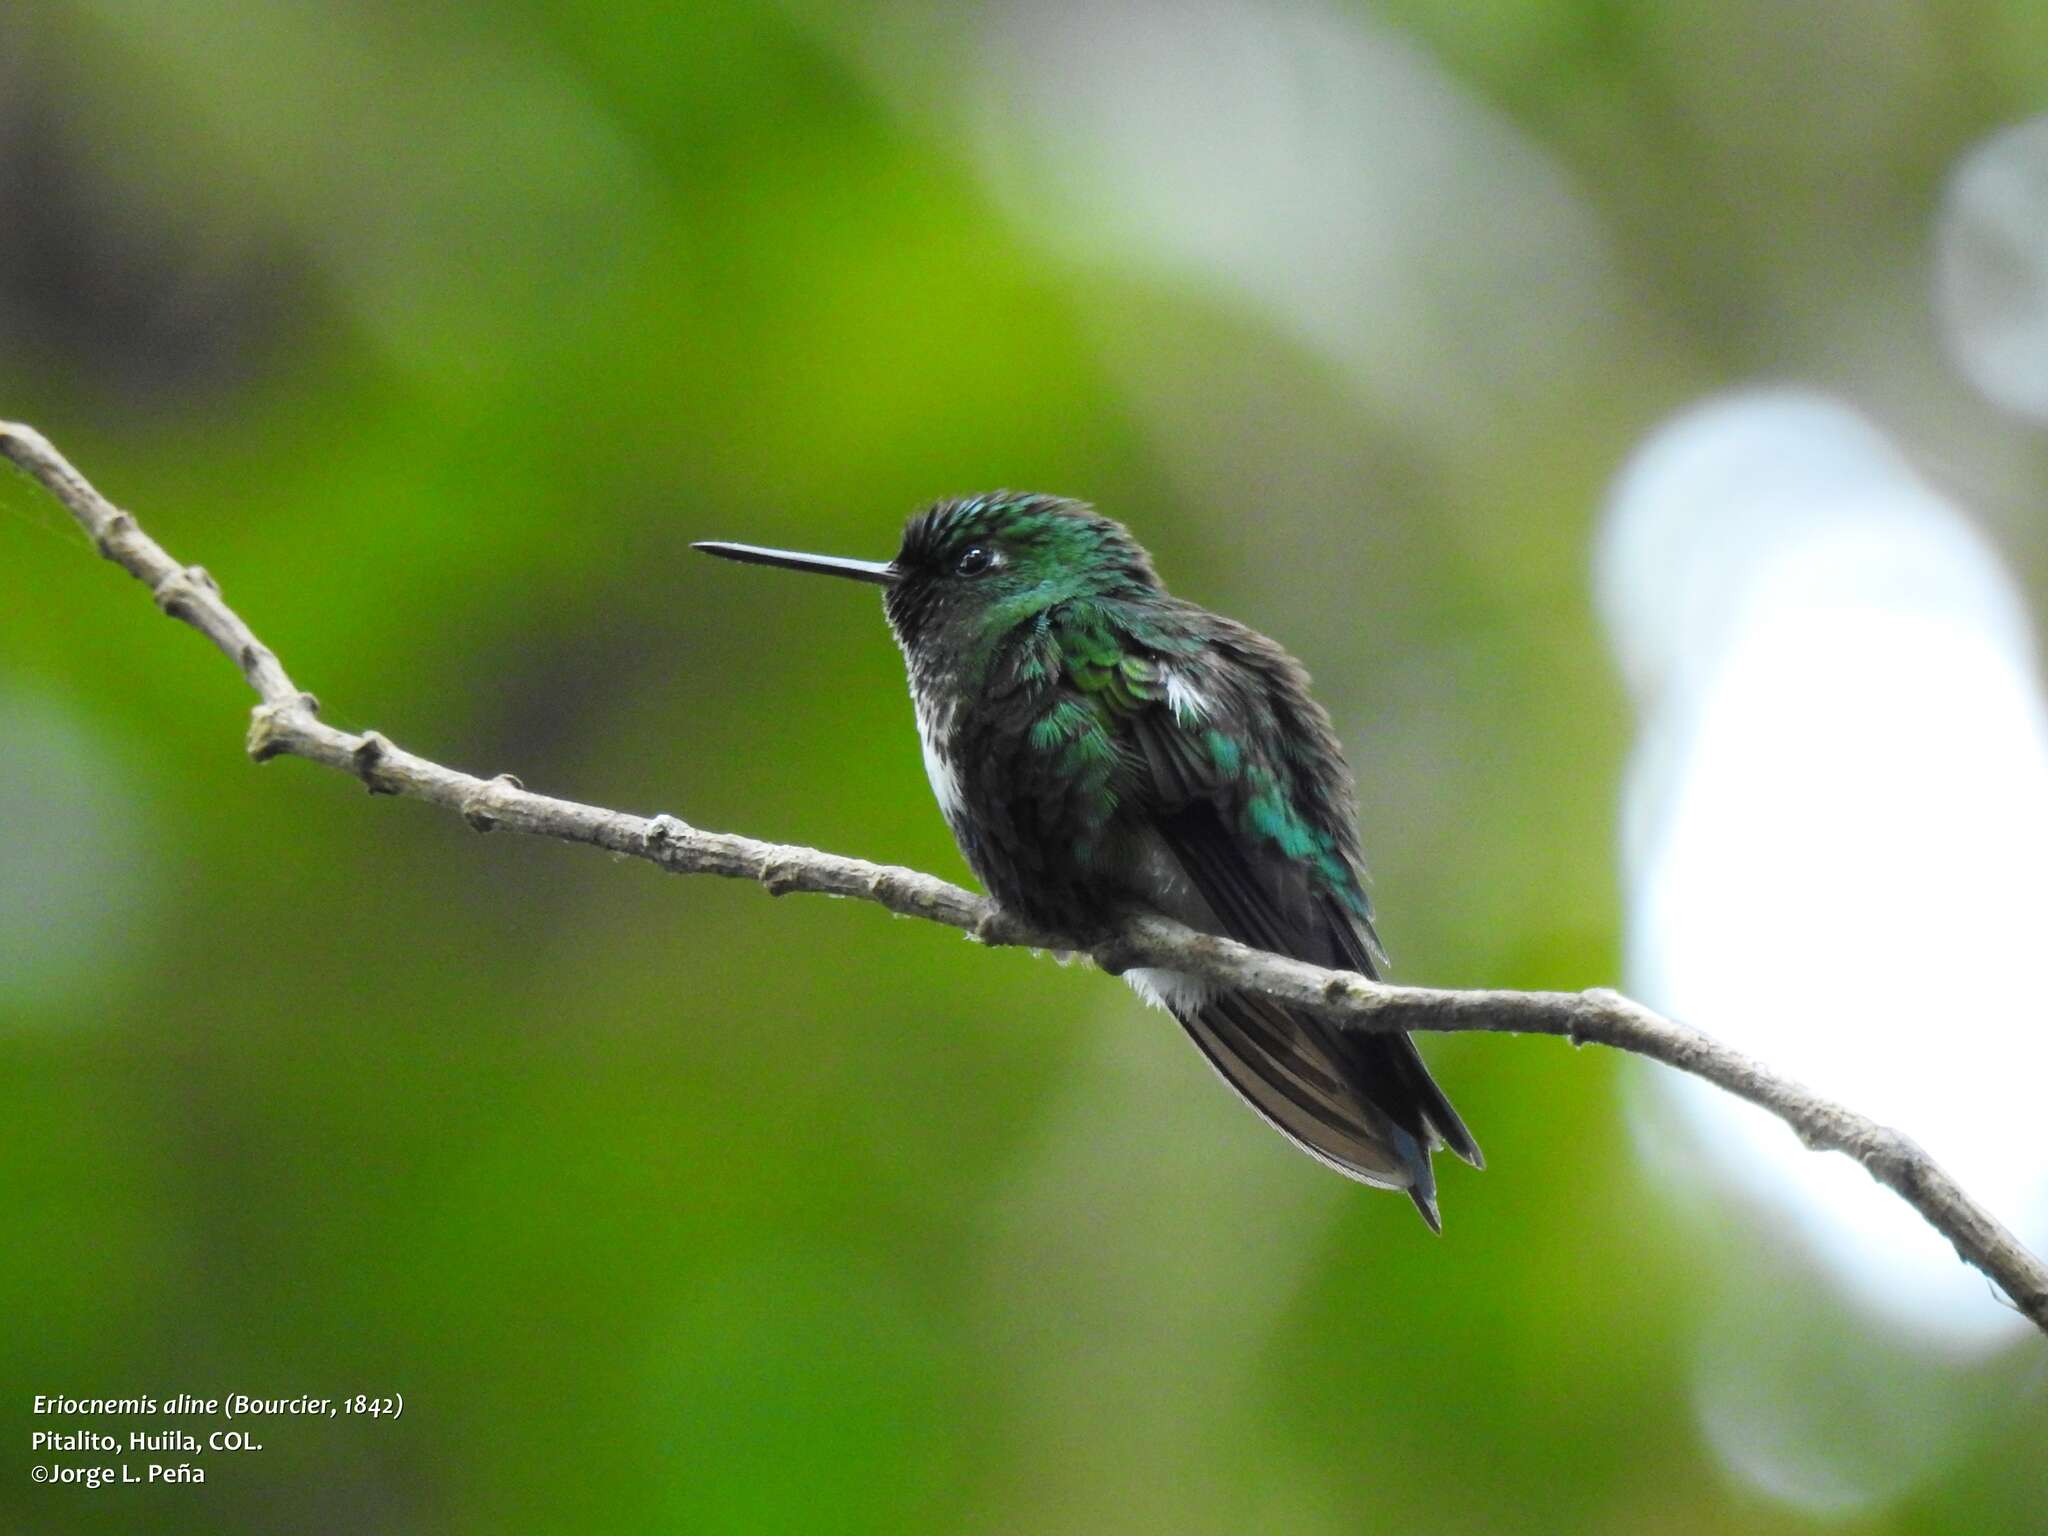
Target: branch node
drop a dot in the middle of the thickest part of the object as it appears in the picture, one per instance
(476, 809)
(664, 835)
(1598, 1000)
(174, 594)
(1894, 1152)
(367, 757)
(267, 731)
(272, 726)
(119, 526)
(777, 878)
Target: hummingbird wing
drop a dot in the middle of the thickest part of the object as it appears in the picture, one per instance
(1243, 782)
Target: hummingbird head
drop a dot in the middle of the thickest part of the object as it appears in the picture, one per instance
(976, 566)
(972, 567)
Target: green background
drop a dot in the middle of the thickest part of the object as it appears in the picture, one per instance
(437, 333)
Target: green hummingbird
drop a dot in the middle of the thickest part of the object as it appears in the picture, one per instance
(1097, 745)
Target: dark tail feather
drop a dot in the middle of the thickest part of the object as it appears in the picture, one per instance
(1425, 1202)
(1304, 1078)
(1406, 1067)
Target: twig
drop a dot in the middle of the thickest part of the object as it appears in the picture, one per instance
(286, 722)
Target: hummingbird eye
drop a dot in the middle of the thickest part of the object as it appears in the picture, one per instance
(974, 559)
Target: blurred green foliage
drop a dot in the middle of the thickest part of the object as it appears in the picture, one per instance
(437, 334)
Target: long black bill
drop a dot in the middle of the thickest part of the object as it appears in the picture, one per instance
(876, 571)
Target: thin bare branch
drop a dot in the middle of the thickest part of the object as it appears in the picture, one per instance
(286, 722)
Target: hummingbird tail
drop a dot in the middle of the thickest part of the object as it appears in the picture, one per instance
(1402, 1063)
(1303, 1078)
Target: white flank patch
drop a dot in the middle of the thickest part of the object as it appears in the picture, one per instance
(938, 767)
(1175, 991)
(1188, 703)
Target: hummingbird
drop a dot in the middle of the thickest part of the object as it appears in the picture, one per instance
(1099, 746)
